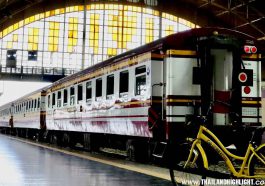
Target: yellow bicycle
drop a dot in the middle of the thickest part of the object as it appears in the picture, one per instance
(252, 166)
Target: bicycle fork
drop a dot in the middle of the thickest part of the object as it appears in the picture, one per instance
(194, 151)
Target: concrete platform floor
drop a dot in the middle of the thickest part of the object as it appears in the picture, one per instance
(24, 163)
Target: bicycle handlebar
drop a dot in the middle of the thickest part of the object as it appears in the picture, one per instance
(204, 118)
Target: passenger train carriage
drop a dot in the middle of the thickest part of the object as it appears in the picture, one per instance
(5, 115)
(147, 94)
(28, 113)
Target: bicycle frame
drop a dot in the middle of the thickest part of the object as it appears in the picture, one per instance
(217, 145)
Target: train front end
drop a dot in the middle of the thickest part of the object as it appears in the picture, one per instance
(214, 73)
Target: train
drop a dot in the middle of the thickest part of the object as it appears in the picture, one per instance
(141, 100)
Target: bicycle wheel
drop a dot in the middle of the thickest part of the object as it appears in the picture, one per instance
(191, 175)
(256, 167)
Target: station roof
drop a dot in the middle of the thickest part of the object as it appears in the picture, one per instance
(247, 16)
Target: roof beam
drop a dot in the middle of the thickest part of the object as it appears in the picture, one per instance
(252, 21)
(235, 7)
(247, 22)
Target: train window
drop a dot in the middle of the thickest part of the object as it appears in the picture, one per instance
(59, 98)
(88, 91)
(35, 104)
(53, 99)
(99, 87)
(110, 85)
(151, 2)
(133, 1)
(140, 70)
(11, 58)
(49, 101)
(124, 82)
(80, 92)
(140, 80)
(72, 95)
(38, 102)
(32, 55)
(65, 97)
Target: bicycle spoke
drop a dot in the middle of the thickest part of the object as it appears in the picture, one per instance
(191, 175)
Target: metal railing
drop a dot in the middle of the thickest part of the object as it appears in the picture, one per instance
(37, 71)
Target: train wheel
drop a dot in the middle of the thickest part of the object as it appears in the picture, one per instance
(86, 141)
(130, 149)
(256, 167)
(53, 139)
(65, 140)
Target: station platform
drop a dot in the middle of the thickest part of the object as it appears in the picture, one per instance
(35, 164)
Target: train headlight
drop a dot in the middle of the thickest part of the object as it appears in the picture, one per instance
(250, 49)
(253, 49)
(247, 49)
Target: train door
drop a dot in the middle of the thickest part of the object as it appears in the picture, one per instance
(42, 106)
(219, 93)
(156, 111)
(223, 76)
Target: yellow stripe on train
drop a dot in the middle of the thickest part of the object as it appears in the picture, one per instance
(179, 100)
(251, 102)
(251, 56)
(181, 52)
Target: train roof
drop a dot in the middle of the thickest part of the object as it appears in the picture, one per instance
(26, 96)
(7, 105)
(174, 41)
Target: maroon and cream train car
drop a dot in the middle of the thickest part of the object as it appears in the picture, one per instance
(147, 94)
(152, 90)
(28, 114)
(5, 115)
